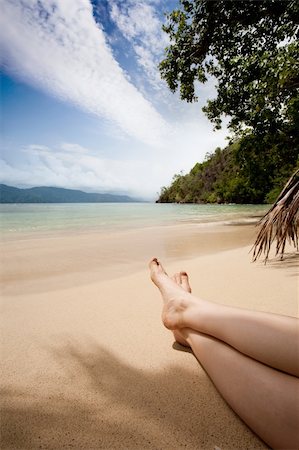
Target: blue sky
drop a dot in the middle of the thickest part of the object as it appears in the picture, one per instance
(83, 105)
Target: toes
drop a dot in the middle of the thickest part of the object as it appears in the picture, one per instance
(185, 281)
(153, 263)
(181, 278)
(155, 266)
(177, 278)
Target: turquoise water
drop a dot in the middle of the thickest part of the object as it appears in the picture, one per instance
(82, 217)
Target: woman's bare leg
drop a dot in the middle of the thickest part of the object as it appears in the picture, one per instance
(269, 338)
(265, 398)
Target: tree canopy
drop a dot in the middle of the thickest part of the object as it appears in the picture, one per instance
(250, 47)
(223, 177)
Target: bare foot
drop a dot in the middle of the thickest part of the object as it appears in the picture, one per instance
(181, 278)
(179, 304)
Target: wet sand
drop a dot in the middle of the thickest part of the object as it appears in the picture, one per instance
(48, 262)
(86, 363)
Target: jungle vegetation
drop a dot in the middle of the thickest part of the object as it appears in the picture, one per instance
(251, 50)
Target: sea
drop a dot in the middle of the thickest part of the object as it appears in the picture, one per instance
(72, 218)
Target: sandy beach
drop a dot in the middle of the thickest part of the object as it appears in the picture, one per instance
(86, 363)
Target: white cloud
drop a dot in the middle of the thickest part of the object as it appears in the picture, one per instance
(139, 24)
(59, 48)
(76, 167)
(66, 54)
(45, 166)
(73, 148)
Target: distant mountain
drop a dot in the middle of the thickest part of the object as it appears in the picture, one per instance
(9, 194)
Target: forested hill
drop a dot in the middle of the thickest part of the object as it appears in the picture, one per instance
(251, 48)
(240, 173)
(9, 194)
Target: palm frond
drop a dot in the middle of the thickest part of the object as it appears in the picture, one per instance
(280, 222)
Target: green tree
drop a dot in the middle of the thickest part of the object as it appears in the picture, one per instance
(250, 47)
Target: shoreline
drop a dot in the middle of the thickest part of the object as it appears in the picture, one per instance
(11, 236)
(38, 264)
(86, 362)
(23, 223)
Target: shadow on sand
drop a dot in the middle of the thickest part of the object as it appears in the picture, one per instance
(289, 261)
(100, 402)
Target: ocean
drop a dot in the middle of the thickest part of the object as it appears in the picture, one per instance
(73, 218)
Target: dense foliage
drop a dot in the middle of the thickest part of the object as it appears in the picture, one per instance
(224, 178)
(251, 49)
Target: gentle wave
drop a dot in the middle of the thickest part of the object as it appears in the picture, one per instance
(81, 217)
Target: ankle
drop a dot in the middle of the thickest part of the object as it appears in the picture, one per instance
(197, 314)
(186, 334)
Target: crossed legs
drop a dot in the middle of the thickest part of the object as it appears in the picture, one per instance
(252, 357)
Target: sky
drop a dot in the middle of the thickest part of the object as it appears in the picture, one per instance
(82, 102)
